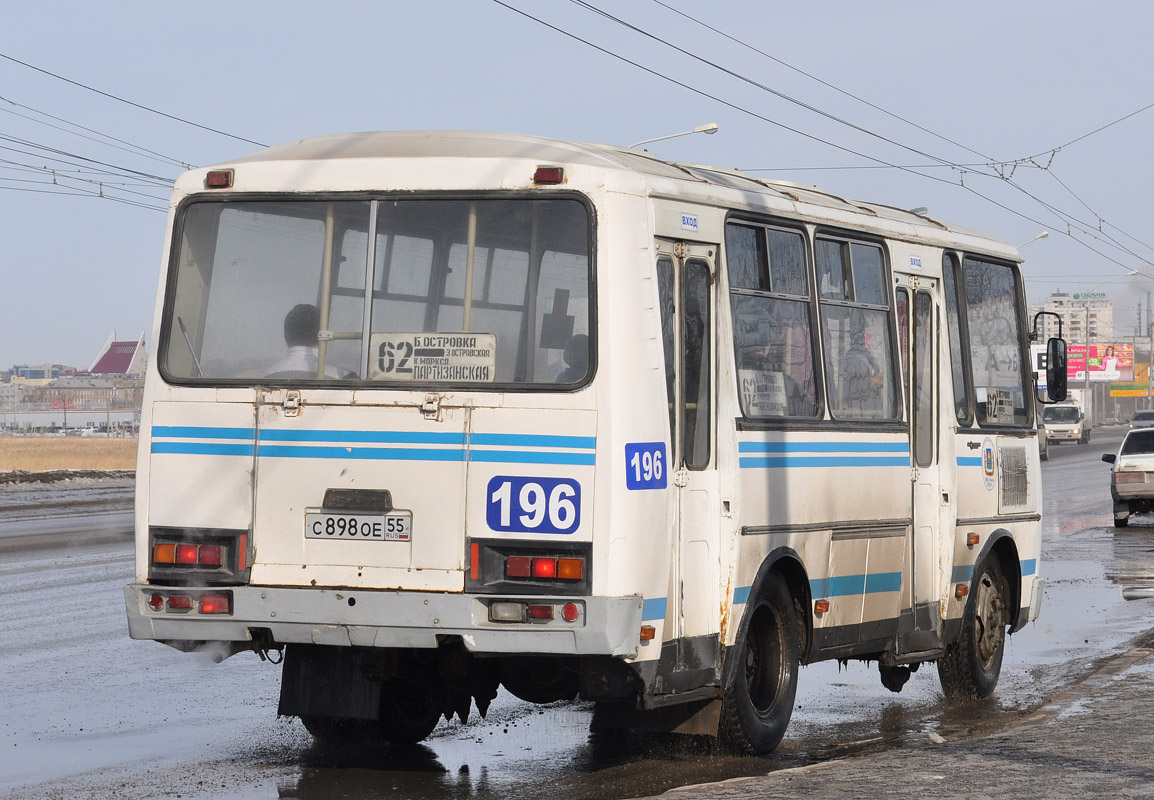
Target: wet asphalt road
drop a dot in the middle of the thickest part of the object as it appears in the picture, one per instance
(89, 713)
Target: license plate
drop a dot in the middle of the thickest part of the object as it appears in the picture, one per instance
(395, 526)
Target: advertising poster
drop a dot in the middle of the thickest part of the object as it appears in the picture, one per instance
(1107, 363)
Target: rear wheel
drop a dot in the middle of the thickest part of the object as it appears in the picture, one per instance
(1124, 520)
(970, 667)
(761, 677)
(409, 712)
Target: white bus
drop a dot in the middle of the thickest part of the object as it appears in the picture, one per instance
(433, 413)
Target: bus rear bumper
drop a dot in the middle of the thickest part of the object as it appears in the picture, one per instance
(360, 618)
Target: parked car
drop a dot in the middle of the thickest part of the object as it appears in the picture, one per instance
(1132, 478)
(1142, 419)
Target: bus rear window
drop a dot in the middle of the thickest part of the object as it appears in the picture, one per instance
(490, 292)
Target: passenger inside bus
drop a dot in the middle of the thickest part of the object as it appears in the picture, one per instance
(576, 359)
(301, 326)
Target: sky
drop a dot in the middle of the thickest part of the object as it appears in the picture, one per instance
(1008, 118)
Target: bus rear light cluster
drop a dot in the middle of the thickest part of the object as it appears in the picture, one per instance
(522, 611)
(184, 603)
(189, 555)
(197, 556)
(545, 568)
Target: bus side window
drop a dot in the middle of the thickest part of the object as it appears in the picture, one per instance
(859, 364)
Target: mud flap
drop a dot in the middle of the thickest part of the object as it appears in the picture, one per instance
(327, 682)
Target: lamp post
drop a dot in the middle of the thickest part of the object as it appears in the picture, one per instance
(1041, 235)
(709, 128)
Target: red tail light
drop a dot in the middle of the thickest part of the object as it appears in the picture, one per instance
(215, 604)
(544, 568)
(180, 602)
(186, 554)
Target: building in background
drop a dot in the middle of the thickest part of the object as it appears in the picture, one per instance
(1087, 318)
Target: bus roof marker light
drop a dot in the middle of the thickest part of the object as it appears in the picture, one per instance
(218, 179)
(549, 176)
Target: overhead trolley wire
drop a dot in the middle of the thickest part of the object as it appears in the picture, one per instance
(1066, 218)
(130, 102)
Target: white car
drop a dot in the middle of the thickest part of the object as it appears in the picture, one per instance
(1132, 479)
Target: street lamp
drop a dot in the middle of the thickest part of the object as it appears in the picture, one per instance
(1041, 235)
(709, 128)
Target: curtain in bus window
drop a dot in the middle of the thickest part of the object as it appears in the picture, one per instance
(253, 290)
(774, 356)
(831, 280)
(858, 363)
(923, 401)
(954, 331)
(697, 385)
(995, 343)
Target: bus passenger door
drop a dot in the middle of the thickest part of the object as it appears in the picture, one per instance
(919, 631)
(685, 284)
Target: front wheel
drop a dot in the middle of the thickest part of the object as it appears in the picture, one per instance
(970, 667)
(761, 674)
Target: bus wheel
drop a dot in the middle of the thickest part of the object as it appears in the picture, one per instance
(337, 731)
(761, 678)
(970, 667)
(409, 712)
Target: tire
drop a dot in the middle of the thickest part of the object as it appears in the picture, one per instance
(761, 677)
(970, 667)
(1121, 523)
(1124, 521)
(409, 712)
(337, 731)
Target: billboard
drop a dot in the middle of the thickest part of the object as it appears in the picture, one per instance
(1107, 363)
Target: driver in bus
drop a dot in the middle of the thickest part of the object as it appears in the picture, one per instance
(301, 326)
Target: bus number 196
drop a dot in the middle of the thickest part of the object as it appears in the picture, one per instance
(533, 505)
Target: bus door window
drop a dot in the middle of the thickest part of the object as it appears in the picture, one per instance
(688, 323)
(902, 306)
(995, 340)
(923, 383)
(954, 322)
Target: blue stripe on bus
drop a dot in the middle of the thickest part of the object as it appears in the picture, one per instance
(741, 594)
(844, 585)
(361, 453)
(962, 574)
(204, 448)
(777, 462)
(534, 440)
(969, 461)
(1029, 566)
(188, 432)
(374, 437)
(823, 447)
(653, 608)
(530, 457)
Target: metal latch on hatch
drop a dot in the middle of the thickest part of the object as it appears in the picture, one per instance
(431, 408)
(292, 403)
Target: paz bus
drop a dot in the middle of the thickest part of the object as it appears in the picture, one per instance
(436, 413)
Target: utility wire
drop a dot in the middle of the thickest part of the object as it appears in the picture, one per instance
(128, 146)
(129, 102)
(827, 84)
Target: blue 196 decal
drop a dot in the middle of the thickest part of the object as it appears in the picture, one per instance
(533, 505)
(645, 465)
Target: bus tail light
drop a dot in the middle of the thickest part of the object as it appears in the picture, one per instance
(549, 176)
(544, 568)
(190, 556)
(218, 179)
(517, 567)
(535, 611)
(189, 602)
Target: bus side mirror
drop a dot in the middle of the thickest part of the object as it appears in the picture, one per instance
(1056, 370)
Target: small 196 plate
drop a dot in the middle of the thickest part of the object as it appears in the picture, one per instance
(395, 526)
